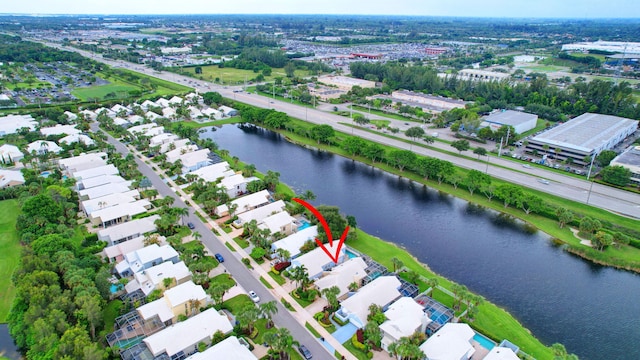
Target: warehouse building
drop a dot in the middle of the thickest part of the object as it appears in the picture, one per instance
(520, 121)
(630, 159)
(584, 136)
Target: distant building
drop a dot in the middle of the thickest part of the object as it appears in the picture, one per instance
(345, 83)
(227, 111)
(482, 75)
(10, 154)
(432, 102)
(435, 51)
(10, 178)
(520, 121)
(586, 135)
(630, 159)
(11, 124)
(367, 56)
(175, 50)
(609, 46)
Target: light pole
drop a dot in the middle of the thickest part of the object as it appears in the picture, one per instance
(589, 195)
(486, 170)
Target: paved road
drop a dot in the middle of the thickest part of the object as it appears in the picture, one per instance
(580, 190)
(232, 261)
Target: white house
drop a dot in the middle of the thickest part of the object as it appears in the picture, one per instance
(258, 214)
(124, 123)
(179, 152)
(41, 147)
(185, 336)
(381, 291)
(145, 258)
(81, 138)
(164, 148)
(343, 275)
(169, 113)
(60, 130)
(213, 172)
(280, 222)
(147, 104)
(194, 112)
(108, 169)
(151, 115)
(163, 102)
(404, 317)
(294, 242)
(103, 190)
(227, 111)
(88, 114)
(91, 205)
(115, 253)
(106, 111)
(146, 129)
(10, 178)
(120, 213)
(176, 100)
(236, 185)
(246, 203)
(119, 108)
(83, 162)
(175, 302)
(451, 342)
(71, 116)
(153, 278)
(10, 154)
(163, 139)
(212, 113)
(11, 124)
(229, 348)
(135, 119)
(101, 180)
(129, 230)
(317, 261)
(195, 160)
(501, 353)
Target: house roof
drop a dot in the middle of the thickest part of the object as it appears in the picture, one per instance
(510, 117)
(43, 145)
(101, 180)
(10, 178)
(84, 161)
(404, 317)
(316, 260)
(501, 353)
(232, 181)
(194, 158)
(343, 275)
(70, 115)
(108, 169)
(187, 333)
(92, 205)
(177, 153)
(163, 138)
(59, 130)
(162, 102)
(262, 212)
(134, 119)
(175, 100)
(10, 152)
(380, 291)
(184, 292)
(229, 348)
(213, 172)
(276, 221)
(124, 247)
(151, 115)
(141, 128)
(226, 110)
(70, 139)
(452, 341)
(149, 279)
(10, 124)
(145, 104)
(211, 111)
(247, 202)
(106, 189)
(120, 121)
(177, 143)
(121, 210)
(158, 307)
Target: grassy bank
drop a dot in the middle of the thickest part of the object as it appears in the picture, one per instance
(491, 320)
(9, 254)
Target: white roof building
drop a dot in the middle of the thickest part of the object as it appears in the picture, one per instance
(83, 162)
(229, 348)
(108, 169)
(121, 122)
(163, 102)
(60, 130)
(185, 336)
(520, 121)
(630, 159)
(145, 258)
(106, 189)
(212, 113)
(172, 304)
(381, 291)
(71, 116)
(258, 214)
(236, 184)
(246, 203)
(501, 353)
(280, 222)
(115, 253)
(148, 103)
(88, 114)
(227, 111)
(151, 115)
(10, 154)
(451, 342)
(194, 112)
(194, 160)
(146, 129)
(162, 139)
(41, 147)
(317, 262)
(153, 277)
(89, 206)
(129, 230)
(350, 271)
(404, 317)
(169, 113)
(179, 152)
(117, 108)
(10, 178)
(176, 144)
(119, 213)
(135, 119)
(10, 124)
(108, 112)
(71, 139)
(175, 100)
(213, 172)
(101, 180)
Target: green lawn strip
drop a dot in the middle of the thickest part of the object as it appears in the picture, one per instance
(265, 283)
(278, 278)
(267, 94)
(99, 92)
(386, 114)
(540, 125)
(9, 254)
(241, 242)
(361, 355)
(491, 320)
(228, 244)
(303, 302)
(311, 329)
(223, 279)
(237, 303)
(261, 325)
(198, 125)
(110, 313)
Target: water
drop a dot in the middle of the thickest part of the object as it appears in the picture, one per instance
(114, 288)
(591, 309)
(305, 224)
(484, 342)
(7, 347)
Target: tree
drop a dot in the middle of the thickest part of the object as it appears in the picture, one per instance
(413, 277)
(90, 309)
(256, 186)
(322, 133)
(268, 309)
(564, 216)
(480, 151)
(376, 314)
(272, 179)
(605, 157)
(248, 317)
(397, 264)
(217, 293)
(531, 203)
(476, 179)
(249, 170)
(461, 145)
(281, 341)
(354, 145)
(601, 240)
(308, 195)
(374, 152)
(331, 294)
(299, 275)
(372, 334)
(406, 349)
(414, 132)
(402, 158)
(510, 194)
(290, 69)
(616, 175)
(182, 212)
(589, 225)
(432, 283)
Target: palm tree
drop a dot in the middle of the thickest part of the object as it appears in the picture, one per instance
(432, 283)
(250, 227)
(281, 342)
(283, 254)
(406, 349)
(196, 235)
(372, 334)
(413, 277)
(182, 212)
(151, 239)
(299, 274)
(397, 263)
(249, 170)
(308, 195)
(248, 317)
(269, 309)
(353, 286)
(331, 294)
(217, 293)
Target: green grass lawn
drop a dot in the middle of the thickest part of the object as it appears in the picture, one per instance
(232, 76)
(243, 243)
(265, 283)
(9, 253)
(109, 315)
(303, 302)
(385, 114)
(237, 303)
(278, 278)
(99, 92)
(312, 330)
(223, 279)
(361, 355)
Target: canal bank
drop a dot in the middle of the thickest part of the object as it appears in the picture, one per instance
(548, 290)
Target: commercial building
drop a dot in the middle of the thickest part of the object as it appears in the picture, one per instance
(438, 103)
(609, 46)
(630, 159)
(582, 137)
(520, 121)
(482, 75)
(345, 83)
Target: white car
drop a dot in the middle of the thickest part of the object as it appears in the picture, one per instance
(526, 166)
(544, 181)
(254, 296)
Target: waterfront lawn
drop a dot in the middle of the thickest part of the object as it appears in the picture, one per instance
(491, 320)
(9, 253)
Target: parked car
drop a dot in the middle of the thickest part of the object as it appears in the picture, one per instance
(254, 296)
(219, 257)
(305, 352)
(191, 226)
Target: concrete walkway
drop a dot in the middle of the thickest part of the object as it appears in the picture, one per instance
(300, 314)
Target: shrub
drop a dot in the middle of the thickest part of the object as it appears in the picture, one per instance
(357, 344)
(258, 253)
(246, 261)
(281, 265)
(273, 270)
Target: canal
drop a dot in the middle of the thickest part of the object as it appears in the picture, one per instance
(591, 309)
(8, 348)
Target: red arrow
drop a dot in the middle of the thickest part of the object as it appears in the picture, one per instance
(327, 230)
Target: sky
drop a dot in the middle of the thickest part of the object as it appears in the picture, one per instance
(465, 8)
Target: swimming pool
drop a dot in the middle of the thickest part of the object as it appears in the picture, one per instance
(305, 224)
(45, 174)
(115, 288)
(483, 341)
(350, 254)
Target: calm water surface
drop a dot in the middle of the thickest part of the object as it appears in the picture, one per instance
(7, 348)
(592, 310)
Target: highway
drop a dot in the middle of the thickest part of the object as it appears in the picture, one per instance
(568, 187)
(283, 318)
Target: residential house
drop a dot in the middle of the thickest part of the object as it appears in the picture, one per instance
(145, 258)
(135, 119)
(152, 116)
(99, 181)
(294, 242)
(120, 213)
(163, 102)
(11, 124)
(451, 342)
(162, 139)
(213, 172)
(236, 185)
(103, 190)
(227, 111)
(343, 275)
(281, 222)
(115, 253)
(166, 147)
(71, 116)
(229, 348)
(153, 278)
(75, 138)
(179, 300)
(179, 152)
(91, 205)
(117, 108)
(193, 98)
(245, 203)
(176, 100)
(258, 214)
(184, 337)
(381, 291)
(146, 130)
(108, 169)
(10, 178)
(10, 154)
(88, 114)
(317, 262)
(105, 111)
(501, 353)
(124, 123)
(212, 113)
(404, 318)
(41, 147)
(169, 113)
(129, 230)
(59, 130)
(148, 104)
(195, 113)
(82, 162)
(195, 160)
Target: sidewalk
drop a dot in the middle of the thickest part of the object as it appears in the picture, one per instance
(300, 314)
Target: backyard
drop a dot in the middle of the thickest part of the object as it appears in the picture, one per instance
(9, 253)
